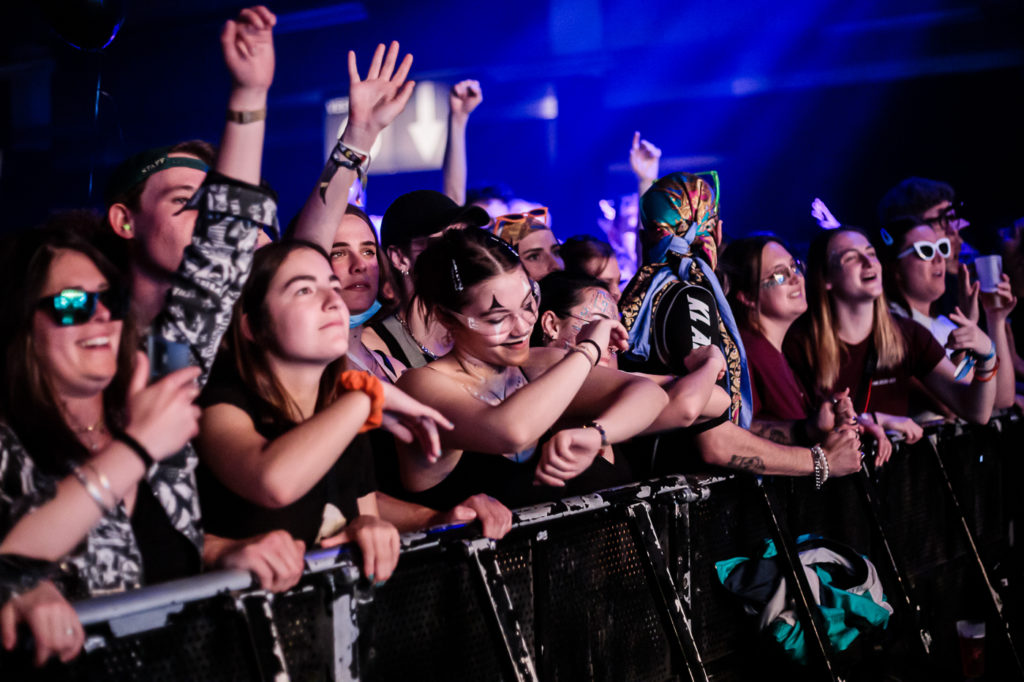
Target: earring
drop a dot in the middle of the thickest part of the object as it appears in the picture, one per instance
(127, 227)
(405, 273)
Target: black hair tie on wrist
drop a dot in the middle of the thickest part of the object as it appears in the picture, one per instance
(134, 446)
(596, 347)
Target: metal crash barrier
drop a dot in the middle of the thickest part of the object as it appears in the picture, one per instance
(614, 586)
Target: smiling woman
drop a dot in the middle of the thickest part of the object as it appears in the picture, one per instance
(282, 438)
(852, 342)
(503, 396)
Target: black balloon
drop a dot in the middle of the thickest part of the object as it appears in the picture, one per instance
(85, 24)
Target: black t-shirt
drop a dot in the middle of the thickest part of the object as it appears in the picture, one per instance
(227, 514)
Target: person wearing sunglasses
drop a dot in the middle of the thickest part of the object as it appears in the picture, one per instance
(934, 203)
(914, 255)
(83, 441)
(529, 233)
(503, 396)
(850, 341)
(100, 460)
(766, 289)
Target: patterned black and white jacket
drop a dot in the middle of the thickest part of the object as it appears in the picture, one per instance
(197, 312)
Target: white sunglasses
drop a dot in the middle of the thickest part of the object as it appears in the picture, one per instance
(926, 250)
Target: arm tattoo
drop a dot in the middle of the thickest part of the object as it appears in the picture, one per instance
(777, 432)
(751, 464)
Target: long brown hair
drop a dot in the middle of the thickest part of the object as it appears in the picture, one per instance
(822, 344)
(740, 265)
(27, 400)
(250, 353)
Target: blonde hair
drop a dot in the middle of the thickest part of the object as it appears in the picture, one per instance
(822, 345)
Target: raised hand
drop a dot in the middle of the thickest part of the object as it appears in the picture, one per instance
(1000, 303)
(464, 97)
(967, 335)
(566, 455)
(644, 159)
(161, 416)
(248, 46)
(375, 101)
(967, 293)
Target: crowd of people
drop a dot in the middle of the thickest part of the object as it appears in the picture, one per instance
(341, 386)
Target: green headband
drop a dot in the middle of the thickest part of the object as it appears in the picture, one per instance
(137, 169)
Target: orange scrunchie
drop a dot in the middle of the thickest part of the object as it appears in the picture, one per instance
(354, 380)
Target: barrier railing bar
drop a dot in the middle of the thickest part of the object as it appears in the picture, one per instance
(961, 521)
(806, 607)
(135, 610)
(671, 602)
(502, 609)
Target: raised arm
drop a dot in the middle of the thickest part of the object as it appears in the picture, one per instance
(998, 307)
(465, 96)
(644, 159)
(374, 102)
(972, 402)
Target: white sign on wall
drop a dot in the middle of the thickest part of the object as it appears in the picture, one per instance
(413, 142)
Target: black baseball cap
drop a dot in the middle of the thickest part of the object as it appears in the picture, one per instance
(422, 213)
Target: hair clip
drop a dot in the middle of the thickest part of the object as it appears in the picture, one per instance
(886, 237)
(498, 240)
(456, 279)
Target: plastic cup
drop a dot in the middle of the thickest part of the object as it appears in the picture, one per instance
(990, 272)
(972, 648)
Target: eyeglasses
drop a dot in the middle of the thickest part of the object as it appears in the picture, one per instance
(74, 306)
(926, 250)
(784, 274)
(947, 218)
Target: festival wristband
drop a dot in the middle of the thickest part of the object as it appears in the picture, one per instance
(243, 117)
(354, 380)
(343, 156)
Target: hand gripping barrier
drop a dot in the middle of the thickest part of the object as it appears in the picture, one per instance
(618, 585)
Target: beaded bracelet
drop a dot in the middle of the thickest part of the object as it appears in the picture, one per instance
(600, 429)
(820, 466)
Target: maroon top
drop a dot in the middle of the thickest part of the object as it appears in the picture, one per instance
(889, 387)
(778, 396)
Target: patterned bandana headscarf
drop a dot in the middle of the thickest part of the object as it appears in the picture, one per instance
(687, 207)
(515, 226)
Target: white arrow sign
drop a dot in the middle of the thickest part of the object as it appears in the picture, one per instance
(426, 131)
